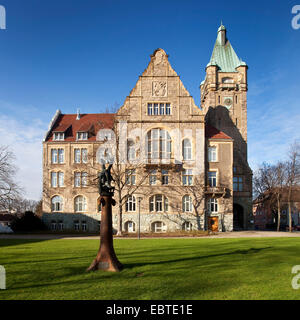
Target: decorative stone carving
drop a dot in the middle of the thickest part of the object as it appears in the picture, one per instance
(159, 57)
(159, 88)
(228, 102)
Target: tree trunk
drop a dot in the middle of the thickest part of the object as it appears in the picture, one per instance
(106, 258)
(120, 223)
(278, 213)
(290, 216)
(120, 214)
(289, 209)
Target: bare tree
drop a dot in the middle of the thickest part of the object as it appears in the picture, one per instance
(293, 175)
(129, 171)
(280, 178)
(9, 190)
(268, 184)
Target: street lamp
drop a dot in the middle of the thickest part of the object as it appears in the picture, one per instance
(139, 230)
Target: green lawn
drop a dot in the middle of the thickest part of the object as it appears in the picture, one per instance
(248, 268)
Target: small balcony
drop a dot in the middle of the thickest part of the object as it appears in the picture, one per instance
(218, 191)
(228, 86)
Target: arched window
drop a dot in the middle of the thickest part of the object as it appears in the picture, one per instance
(130, 204)
(187, 203)
(159, 144)
(56, 204)
(158, 203)
(129, 226)
(187, 226)
(158, 226)
(212, 205)
(80, 204)
(186, 149)
(130, 150)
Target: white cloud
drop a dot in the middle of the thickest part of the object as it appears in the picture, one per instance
(25, 140)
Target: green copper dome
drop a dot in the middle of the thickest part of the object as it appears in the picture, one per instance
(223, 54)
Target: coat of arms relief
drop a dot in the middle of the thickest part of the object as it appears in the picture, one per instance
(159, 88)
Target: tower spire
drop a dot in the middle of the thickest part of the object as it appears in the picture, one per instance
(222, 34)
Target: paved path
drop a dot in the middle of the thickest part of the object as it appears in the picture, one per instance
(236, 234)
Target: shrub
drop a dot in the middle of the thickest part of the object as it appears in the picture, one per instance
(28, 222)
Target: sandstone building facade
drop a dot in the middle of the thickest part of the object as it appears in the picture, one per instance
(177, 166)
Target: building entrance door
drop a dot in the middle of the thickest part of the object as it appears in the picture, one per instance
(213, 224)
(130, 226)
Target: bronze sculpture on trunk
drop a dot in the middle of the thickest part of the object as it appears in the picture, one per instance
(106, 258)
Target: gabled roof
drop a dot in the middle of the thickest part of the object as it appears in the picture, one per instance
(213, 133)
(223, 55)
(92, 123)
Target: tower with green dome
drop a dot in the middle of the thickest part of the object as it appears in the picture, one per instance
(224, 103)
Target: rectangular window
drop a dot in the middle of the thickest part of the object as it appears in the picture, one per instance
(152, 177)
(212, 154)
(212, 205)
(164, 177)
(130, 177)
(83, 225)
(187, 177)
(60, 179)
(77, 155)
(54, 158)
(53, 179)
(61, 156)
(168, 109)
(159, 109)
(237, 184)
(60, 225)
(58, 136)
(150, 110)
(212, 178)
(162, 108)
(76, 225)
(84, 155)
(80, 155)
(57, 179)
(158, 203)
(82, 135)
(84, 176)
(53, 225)
(77, 178)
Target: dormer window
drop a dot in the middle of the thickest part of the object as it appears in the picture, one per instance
(82, 135)
(59, 136)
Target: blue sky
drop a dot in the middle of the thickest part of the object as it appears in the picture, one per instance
(88, 54)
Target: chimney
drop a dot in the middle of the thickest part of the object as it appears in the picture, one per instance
(78, 114)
